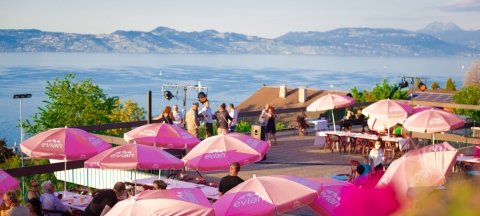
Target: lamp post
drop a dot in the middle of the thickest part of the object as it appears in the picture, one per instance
(21, 96)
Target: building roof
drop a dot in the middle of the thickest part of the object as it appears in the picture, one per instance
(432, 95)
(270, 95)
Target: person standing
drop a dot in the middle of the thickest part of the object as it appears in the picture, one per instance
(11, 200)
(234, 114)
(167, 116)
(206, 114)
(50, 201)
(230, 181)
(191, 118)
(271, 130)
(377, 157)
(105, 200)
(263, 115)
(178, 116)
(222, 119)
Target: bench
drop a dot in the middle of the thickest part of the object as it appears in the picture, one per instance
(347, 123)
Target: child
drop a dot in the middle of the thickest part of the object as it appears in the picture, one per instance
(366, 165)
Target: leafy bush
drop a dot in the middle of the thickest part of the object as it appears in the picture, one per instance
(243, 127)
(280, 126)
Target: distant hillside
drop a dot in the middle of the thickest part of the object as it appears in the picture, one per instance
(344, 41)
(451, 33)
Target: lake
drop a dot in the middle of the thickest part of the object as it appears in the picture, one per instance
(229, 78)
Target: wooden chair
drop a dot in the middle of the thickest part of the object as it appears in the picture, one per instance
(211, 184)
(79, 190)
(343, 143)
(178, 175)
(197, 180)
(330, 140)
(389, 150)
(147, 187)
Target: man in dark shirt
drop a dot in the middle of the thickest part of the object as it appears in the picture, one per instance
(230, 181)
(105, 200)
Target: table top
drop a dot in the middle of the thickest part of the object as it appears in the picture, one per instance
(210, 192)
(76, 204)
(316, 121)
(471, 159)
(362, 136)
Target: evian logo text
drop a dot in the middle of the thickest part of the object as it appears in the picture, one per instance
(297, 204)
(94, 141)
(331, 197)
(437, 148)
(247, 199)
(383, 182)
(338, 99)
(253, 142)
(187, 195)
(436, 121)
(395, 109)
(3, 176)
(418, 177)
(155, 166)
(215, 154)
(186, 135)
(123, 154)
(147, 133)
(52, 144)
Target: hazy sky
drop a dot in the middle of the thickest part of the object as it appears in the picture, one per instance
(264, 18)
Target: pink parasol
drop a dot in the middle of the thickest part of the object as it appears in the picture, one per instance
(218, 152)
(7, 182)
(176, 201)
(267, 195)
(420, 171)
(418, 109)
(162, 135)
(330, 102)
(332, 196)
(389, 110)
(432, 121)
(64, 144)
(134, 157)
(381, 124)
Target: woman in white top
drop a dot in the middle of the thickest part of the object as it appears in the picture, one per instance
(376, 157)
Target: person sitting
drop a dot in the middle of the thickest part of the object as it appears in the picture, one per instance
(322, 116)
(11, 200)
(230, 181)
(33, 192)
(51, 202)
(397, 130)
(159, 185)
(302, 122)
(35, 207)
(366, 165)
(105, 200)
(362, 176)
(359, 114)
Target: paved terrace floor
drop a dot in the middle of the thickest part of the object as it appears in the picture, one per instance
(294, 155)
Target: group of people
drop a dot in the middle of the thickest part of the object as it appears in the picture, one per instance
(101, 203)
(195, 118)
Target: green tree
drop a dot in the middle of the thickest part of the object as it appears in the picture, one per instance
(379, 92)
(467, 95)
(450, 85)
(5, 153)
(434, 85)
(80, 103)
(127, 111)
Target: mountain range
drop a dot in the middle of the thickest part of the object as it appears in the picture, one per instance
(436, 39)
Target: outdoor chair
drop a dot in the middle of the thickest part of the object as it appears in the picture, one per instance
(79, 190)
(147, 187)
(211, 184)
(330, 141)
(178, 175)
(389, 150)
(197, 180)
(358, 143)
(343, 143)
(48, 212)
(353, 168)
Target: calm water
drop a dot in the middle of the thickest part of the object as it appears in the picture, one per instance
(229, 78)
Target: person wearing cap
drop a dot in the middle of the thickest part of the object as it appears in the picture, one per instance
(206, 114)
(191, 118)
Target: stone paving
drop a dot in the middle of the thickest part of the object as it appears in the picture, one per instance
(294, 155)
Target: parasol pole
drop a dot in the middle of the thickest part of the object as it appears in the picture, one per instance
(135, 189)
(65, 176)
(388, 127)
(333, 117)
